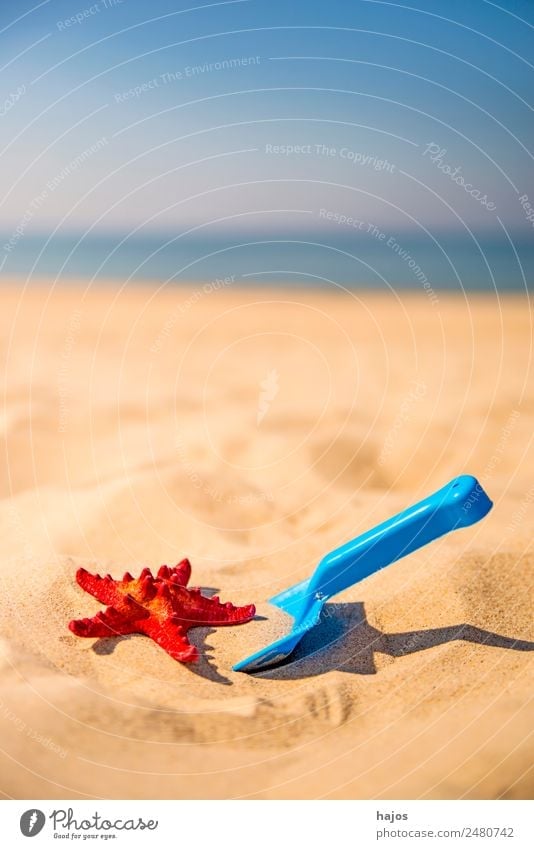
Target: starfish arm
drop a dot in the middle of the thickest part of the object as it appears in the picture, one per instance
(193, 610)
(106, 623)
(171, 637)
(103, 589)
(179, 574)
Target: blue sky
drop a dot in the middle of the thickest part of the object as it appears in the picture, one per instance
(345, 86)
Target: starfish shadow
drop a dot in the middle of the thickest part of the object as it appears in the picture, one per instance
(344, 640)
(204, 666)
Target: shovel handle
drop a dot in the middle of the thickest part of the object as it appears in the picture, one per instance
(459, 503)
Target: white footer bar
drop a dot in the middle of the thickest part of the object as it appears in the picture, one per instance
(269, 824)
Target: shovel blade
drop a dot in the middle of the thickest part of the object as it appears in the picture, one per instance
(281, 649)
(268, 656)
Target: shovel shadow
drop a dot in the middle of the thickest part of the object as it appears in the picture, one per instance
(344, 640)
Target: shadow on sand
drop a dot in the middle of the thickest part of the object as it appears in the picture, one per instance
(345, 640)
(204, 666)
(342, 640)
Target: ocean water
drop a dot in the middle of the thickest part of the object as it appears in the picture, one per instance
(395, 261)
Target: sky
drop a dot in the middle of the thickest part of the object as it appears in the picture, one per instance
(255, 116)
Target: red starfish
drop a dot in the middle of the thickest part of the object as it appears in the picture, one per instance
(161, 607)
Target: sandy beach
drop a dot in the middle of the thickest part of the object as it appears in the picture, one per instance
(252, 430)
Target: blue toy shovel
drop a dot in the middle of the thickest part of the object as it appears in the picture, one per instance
(460, 503)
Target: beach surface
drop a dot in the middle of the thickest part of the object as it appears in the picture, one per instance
(253, 430)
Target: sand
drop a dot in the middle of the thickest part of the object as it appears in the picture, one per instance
(252, 431)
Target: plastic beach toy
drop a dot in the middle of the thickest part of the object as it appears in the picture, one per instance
(460, 503)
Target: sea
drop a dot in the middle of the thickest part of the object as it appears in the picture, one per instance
(398, 261)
